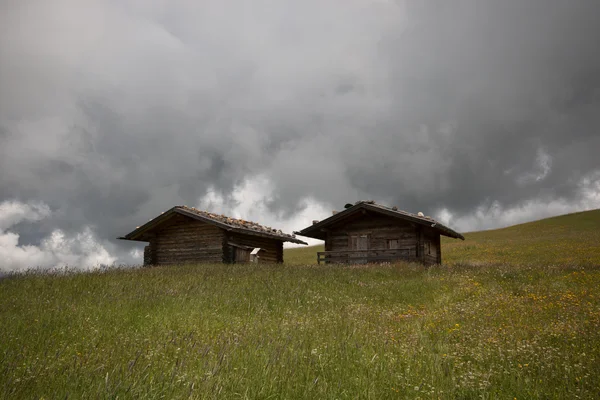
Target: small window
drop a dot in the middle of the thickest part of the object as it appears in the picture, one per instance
(428, 247)
(392, 244)
(360, 242)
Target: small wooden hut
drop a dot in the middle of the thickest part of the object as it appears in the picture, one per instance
(370, 232)
(184, 235)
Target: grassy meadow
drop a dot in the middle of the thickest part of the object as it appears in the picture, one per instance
(497, 320)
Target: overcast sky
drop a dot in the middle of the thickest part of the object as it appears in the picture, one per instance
(479, 113)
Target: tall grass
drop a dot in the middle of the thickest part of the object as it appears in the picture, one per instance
(514, 313)
(215, 331)
(567, 239)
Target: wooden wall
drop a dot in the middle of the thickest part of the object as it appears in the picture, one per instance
(432, 252)
(273, 248)
(423, 243)
(147, 256)
(378, 228)
(183, 240)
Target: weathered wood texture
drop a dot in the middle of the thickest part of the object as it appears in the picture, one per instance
(363, 257)
(183, 240)
(378, 229)
(432, 252)
(152, 252)
(417, 243)
(186, 241)
(273, 248)
(147, 256)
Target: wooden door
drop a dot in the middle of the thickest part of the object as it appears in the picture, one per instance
(359, 242)
(240, 255)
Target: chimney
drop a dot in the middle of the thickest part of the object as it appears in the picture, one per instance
(334, 212)
(316, 221)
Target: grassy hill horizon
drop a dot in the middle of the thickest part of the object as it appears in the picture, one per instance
(568, 238)
(513, 313)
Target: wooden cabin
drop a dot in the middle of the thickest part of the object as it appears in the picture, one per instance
(185, 235)
(369, 232)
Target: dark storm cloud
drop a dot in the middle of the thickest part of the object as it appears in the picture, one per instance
(111, 112)
(479, 92)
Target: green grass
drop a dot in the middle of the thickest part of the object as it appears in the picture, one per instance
(567, 239)
(304, 255)
(470, 329)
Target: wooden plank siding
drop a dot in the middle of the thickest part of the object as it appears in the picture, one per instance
(184, 235)
(417, 242)
(432, 253)
(186, 241)
(378, 228)
(273, 248)
(147, 258)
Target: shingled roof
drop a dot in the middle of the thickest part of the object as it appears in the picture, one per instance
(314, 230)
(222, 221)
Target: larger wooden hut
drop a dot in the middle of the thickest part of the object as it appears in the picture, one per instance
(370, 232)
(184, 235)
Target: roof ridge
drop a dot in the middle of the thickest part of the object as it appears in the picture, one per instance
(238, 222)
(426, 219)
(395, 209)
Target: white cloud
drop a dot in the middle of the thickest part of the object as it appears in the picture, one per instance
(249, 199)
(493, 215)
(14, 212)
(81, 251)
(85, 251)
(543, 166)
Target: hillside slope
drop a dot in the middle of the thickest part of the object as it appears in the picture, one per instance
(566, 239)
(497, 331)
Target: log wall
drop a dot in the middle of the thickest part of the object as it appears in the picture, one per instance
(273, 248)
(432, 253)
(379, 229)
(147, 256)
(423, 243)
(186, 241)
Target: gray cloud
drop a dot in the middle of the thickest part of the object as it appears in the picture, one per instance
(111, 112)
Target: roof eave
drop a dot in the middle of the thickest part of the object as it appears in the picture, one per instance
(267, 235)
(135, 234)
(319, 225)
(302, 233)
(126, 238)
(307, 232)
(238, 230)
(454, 235)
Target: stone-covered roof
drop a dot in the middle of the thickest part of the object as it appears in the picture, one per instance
(240, 223)
(391, 211)
(223, 221)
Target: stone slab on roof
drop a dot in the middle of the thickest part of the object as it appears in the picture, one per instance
(392, 211)
(223, 221)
